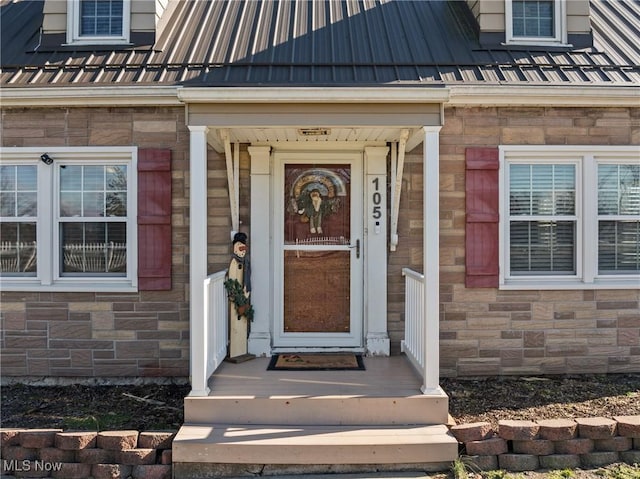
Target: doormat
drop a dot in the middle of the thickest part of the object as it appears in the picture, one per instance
(316, 362)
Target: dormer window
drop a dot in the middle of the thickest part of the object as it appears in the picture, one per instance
(98, 21)
(535, 22)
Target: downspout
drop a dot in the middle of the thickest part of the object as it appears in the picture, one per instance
(396, 187)
(232, 179)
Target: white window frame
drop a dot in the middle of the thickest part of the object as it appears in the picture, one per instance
(559, 26)
(73, 27)
(48, 276)
(586, 158)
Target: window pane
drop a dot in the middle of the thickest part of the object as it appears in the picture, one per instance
(532, 18)
(18, 191)
(70, 178)
(93, 178)
(618, 189)
(18, 249)
(101, 17)
(618, 247)
(94, 248)
(543, 190)
(542, 247)
(93, 204)
(93, 191)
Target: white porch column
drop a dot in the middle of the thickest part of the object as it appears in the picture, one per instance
(375, 243)
(198, 259)
(260, 250)
(431, 259)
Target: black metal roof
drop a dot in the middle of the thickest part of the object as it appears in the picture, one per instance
(320, 43)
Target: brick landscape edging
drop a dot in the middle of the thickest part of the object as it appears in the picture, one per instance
(516, 446)
(550, 443)
(78, 455)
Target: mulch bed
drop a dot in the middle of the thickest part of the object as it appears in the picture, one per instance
(160, 407)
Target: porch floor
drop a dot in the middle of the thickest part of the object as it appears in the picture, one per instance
(254, 416)
(391, 376)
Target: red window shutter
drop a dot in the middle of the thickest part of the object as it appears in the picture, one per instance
(154, 219)
(482, 216)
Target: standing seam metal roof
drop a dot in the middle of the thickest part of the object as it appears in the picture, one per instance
(320, 42)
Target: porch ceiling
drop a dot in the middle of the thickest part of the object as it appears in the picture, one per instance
(308, 135)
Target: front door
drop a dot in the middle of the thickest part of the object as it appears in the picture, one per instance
(319, 251)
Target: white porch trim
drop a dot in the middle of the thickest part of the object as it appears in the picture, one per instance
(375, 267)
(260, 250)
(431, 259)
(198, 260)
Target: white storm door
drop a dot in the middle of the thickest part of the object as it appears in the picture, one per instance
(319, 250)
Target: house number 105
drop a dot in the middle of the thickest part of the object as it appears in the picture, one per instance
(376, 198)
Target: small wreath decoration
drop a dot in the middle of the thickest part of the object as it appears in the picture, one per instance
(235, 293)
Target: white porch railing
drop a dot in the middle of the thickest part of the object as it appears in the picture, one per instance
(216, 311)
(421, 336)
(414, 319)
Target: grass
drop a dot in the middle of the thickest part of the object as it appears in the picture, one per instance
(622, 471)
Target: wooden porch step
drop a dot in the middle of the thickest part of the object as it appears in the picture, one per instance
(322, 410)
(301, 445)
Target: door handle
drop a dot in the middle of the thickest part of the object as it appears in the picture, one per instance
(357, 247)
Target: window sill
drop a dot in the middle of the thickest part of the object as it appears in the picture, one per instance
(68, 286)
(565, 284)
(537, 43)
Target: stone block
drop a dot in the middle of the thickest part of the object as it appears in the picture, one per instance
(560, 461)
(117, 440)
(476, 431)
(630, 457)
(596, 427)
(110, 471)
(53, 454)
(597, 459)
(517, 430)
(557, 429)
(74, 441)
(155, 439)
(488, 447)
(69, 470)
(95, 456)
(482, 463)
(9, 437)
(155, 471)
(574, 446)
(134, 457)
(32, 470)
(166, 457)
(38, 438)
(628, 426)
(19, 453)
(518, 462)
(617, 443)
(538, 447)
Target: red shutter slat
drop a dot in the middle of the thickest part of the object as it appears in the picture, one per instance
(482, 217)
(154, 219)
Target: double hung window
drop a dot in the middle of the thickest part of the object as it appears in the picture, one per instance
(570, 216)
(98, 21)
(535, 21)
(68, 223)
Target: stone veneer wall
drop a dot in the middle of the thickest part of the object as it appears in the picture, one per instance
(483, 331)
(78, 455)
(492, 332)
(550, 443)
